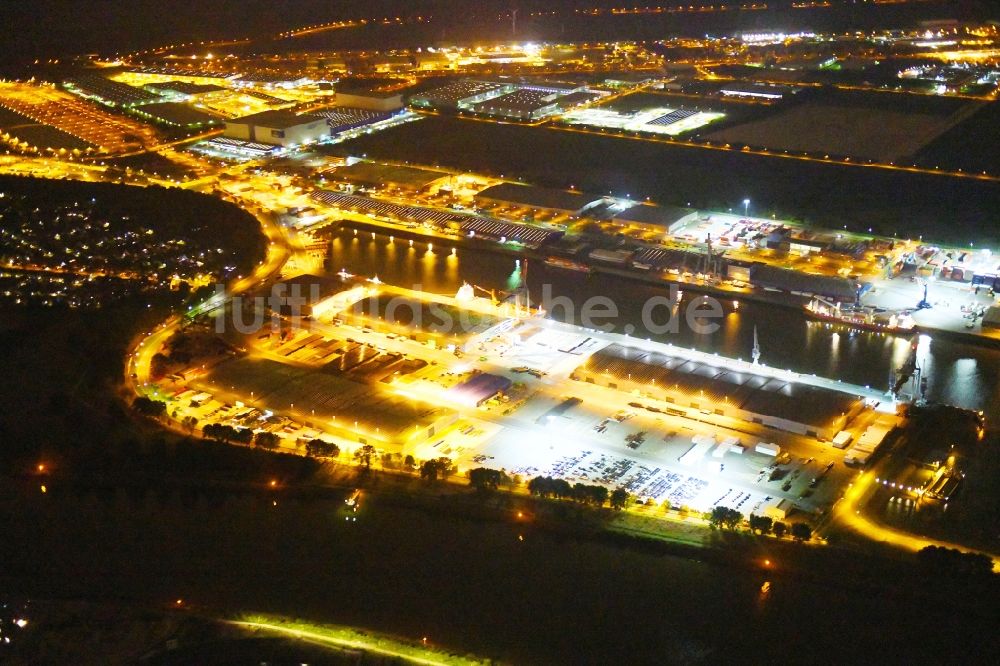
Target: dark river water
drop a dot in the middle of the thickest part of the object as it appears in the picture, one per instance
(958, 374)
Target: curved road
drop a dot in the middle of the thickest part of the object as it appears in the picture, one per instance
(848, 513)
(279, 250)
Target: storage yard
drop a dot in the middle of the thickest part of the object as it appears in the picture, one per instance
(44, 118)
(542, 398)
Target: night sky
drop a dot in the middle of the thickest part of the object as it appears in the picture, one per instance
(60, 27)
(49, 28)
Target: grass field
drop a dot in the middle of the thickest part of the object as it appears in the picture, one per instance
(972, 145)
(855, 132)
(444, 569)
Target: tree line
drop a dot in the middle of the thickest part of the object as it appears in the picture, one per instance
(723, 517)
(581, 493)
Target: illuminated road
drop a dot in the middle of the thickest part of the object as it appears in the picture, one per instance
(847, 512)
(57, 270)
(160, 146)
(137, 372)
(312, 30)
(377, 644)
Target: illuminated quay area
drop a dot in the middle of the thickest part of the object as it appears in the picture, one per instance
(413, 373)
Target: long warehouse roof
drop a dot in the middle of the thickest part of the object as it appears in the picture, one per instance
(752, 392)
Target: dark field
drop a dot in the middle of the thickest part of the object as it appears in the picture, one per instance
(890, 202)
(468, 584)
(972, 145)
(457, 22)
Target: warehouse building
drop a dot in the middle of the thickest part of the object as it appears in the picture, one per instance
(478, 389)
(655, 219)
(393, 176)
(181, 91)
(351, 410)
(304, 295)
(370, 100)
(836, 288)
(548, 199)
(760, 91)
(463, 94)
(271, 81)
(992, 317)
(522, 104)
(743, 394)
(344, 118)
(278, 128)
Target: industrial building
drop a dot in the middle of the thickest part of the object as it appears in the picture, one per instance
(175, 114)
(652, 218)
(527, 101)
(464, 95)
(373, 174)
(478, 389)
(468, 225)
(759, 91)
(786, 279)
(566, 202)
(181, 90)
(743, 394)
(110, 93)
(278, 128)
(344, 119)
(305, 295)
(992, 317)
(271, 81)
(354, 411)
(370, 100)
(436, 323)
(522, 104)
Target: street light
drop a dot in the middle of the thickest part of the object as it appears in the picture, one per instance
(746, 208)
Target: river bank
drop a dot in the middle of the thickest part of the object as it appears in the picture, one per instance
(784, 300)
(487, 592)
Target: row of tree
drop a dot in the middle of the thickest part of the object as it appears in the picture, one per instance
(941, 561)
(226, 434)
(484, 478)
(593, 495)
(438, 468)
(765, 525)
(398, 461)
(149, 407)
(318, 448)
(727, 518)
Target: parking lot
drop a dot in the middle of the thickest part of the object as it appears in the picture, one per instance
(46, 105)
